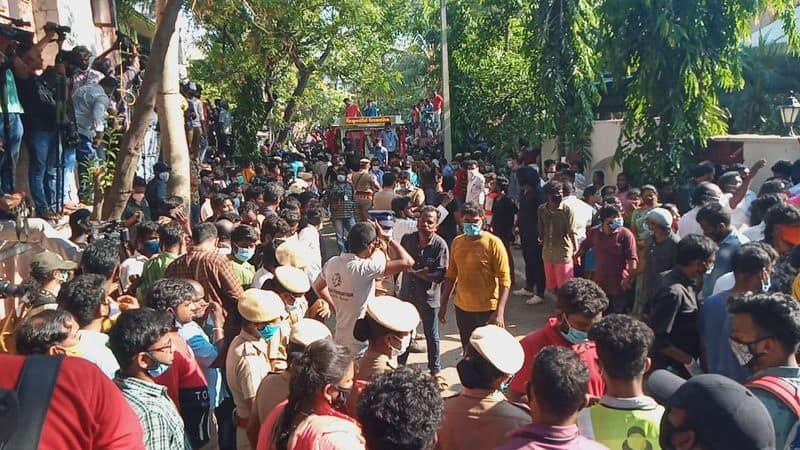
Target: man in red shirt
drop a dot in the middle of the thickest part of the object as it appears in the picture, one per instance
(460, 190)
(351, 109)
(437, 103)
(615, 251)
(581, 303)
(86, 411)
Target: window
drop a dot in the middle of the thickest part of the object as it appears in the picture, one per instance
(104, 13)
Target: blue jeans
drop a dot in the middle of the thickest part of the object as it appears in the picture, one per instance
(11, 138)
(43, 150)
(69, 193)
(342, 227)
(430, 326)
(84, 154)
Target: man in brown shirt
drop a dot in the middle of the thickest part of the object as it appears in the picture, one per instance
(383, 198)
(213, 271)
(557, 230)
(406, 189)
(365, 184)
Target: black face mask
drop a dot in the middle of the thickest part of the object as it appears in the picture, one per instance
(340, 402)
(668, 430)
(557, 199)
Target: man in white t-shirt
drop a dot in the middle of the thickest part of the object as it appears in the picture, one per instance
(476, 183)
(347, 281)
(739, 201)
(703, 194)
(582, 210)
(707, 192)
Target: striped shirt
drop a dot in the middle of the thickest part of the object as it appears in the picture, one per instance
(162, 425)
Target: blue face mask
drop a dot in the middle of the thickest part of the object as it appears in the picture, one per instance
(159, 369)
(472, 229)
(269, 331)
(504, 387)
(244, 254)
(573, 335)
(617, 223)
(152, 246)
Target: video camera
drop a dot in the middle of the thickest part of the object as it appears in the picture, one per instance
(8, 289)
(21, 38)
(112, 229)
(60, 30)
(125, 42)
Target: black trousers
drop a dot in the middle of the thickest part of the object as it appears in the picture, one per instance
(534, 265)
(467, 322)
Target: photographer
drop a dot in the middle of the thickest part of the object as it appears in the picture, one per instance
(79, 70)
(48, 272)
(90, 102)
(38, 96)
(12, 66)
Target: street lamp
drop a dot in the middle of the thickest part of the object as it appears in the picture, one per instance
(789, 112)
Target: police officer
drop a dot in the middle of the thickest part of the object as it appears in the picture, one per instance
(290, 284)
(479, 417)
(247, 362)
(387, 327)
(274, 387)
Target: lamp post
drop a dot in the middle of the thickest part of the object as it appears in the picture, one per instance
(445, 119)
(789, 112)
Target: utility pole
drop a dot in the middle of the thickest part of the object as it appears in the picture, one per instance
(448, 135)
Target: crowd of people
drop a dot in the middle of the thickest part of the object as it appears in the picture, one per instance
(674, 323)
(60, 112)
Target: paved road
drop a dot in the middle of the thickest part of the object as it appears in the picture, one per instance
(520, 320)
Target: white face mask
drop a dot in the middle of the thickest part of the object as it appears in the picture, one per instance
(340, 178)
(163, 176)
(404, 343)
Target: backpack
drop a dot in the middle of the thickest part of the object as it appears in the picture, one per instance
(789, 395)
(23, 410)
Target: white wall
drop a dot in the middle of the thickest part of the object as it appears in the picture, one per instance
(605, 134)
(771, 148)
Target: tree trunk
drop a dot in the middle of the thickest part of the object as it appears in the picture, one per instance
(303, 76)
(133, 139)
(174, 148)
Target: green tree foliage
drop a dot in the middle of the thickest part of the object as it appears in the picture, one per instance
(267, 54)
(769, 74)
(678, 56)
(491, 92)
(563, 46)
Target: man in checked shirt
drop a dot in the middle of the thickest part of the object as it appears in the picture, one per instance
(214, 272)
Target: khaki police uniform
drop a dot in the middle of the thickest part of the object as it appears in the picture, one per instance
(246, 365)
(479, 419)
(373, 363)
(273, 390)
(248, 359)
(276, 347)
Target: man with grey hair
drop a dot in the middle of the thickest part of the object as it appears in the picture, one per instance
(659, 254)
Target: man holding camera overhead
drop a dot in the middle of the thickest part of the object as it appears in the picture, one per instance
(11, 109)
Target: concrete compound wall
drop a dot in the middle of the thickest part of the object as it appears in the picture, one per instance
(768, 147)
(605, 136)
